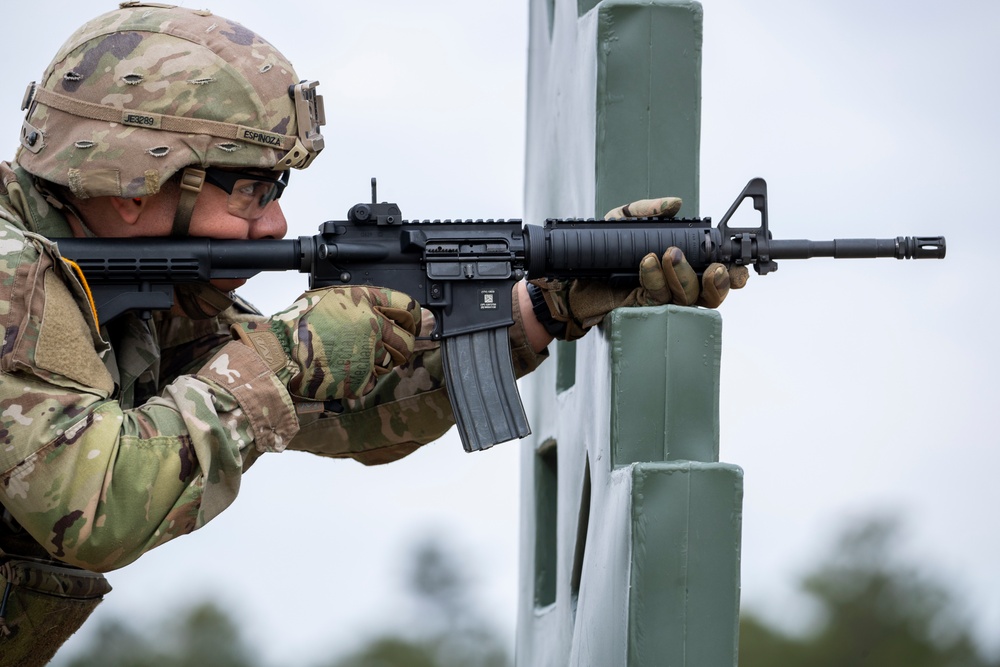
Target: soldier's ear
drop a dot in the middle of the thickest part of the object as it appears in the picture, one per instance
(128, 208)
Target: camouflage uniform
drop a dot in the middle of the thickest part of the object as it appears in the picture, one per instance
(117, 437)
(117, 440)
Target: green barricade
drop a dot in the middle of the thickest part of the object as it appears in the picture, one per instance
(630, 527)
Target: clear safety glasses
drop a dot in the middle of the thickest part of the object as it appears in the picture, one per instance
(249, 192)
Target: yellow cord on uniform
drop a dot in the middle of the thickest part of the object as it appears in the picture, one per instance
(86, 288)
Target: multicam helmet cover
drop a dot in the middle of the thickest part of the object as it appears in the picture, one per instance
(140, 93)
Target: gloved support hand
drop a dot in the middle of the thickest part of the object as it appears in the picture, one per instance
(335, 342)
(577, 305)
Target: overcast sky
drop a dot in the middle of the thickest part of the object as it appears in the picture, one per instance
(847, 387)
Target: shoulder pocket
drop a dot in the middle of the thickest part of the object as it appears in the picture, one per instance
(65, 345)
(54, 339)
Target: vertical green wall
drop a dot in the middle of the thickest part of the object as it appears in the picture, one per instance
(630, 532)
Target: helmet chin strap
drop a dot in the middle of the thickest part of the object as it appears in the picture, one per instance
(192, 180)
(197, 301)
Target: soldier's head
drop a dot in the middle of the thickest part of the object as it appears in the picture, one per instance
(158, 102)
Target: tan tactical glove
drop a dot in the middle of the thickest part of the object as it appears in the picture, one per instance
(336, 342)
(577, 305)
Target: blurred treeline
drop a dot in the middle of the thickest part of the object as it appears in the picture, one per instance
(876, 608)
(446, 630)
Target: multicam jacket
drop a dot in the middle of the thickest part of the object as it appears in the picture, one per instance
(118, 438)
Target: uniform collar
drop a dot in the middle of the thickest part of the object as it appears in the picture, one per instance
(40, 209)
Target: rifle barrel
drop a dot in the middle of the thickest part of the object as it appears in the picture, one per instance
(901, 247)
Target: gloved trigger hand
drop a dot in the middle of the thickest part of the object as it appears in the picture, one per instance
(335, 342)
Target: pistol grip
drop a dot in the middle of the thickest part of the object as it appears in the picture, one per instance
(482, 389)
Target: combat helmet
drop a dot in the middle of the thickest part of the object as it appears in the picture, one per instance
(149, 90)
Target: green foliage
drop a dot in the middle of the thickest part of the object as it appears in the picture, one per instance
(440, 652)
(204, 635)
(879, 611)
(390, 652)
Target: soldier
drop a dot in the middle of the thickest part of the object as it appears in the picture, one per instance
(116, 437)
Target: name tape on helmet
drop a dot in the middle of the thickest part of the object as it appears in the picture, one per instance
(256, 136)
(141, 120)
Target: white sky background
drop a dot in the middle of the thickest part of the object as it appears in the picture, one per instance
(848, 386)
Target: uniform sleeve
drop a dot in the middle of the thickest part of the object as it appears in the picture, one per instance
(408, 408)
(95, 484)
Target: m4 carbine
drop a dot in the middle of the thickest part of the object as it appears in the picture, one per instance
(462, 270)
